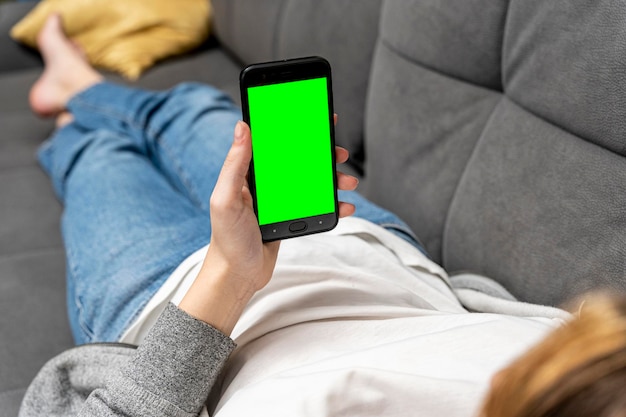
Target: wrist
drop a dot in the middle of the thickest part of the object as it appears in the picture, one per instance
(215, 299)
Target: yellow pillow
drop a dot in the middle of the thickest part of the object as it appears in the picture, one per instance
(126, 36)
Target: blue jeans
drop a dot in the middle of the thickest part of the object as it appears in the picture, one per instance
(135, 170)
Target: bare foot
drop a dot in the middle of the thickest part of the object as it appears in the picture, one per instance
(63, 118)
(66, 71)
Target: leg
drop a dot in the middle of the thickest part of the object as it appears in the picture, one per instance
(186, 132)
(124, 226)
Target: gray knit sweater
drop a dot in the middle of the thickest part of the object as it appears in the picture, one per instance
(170, 374)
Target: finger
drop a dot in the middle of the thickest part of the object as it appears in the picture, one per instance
(346, 182)
(341, 154)
(346, 209)
(232, 177)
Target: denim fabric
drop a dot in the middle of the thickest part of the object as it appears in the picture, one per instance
(135, 171)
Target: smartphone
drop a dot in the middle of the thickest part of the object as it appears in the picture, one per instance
(293, 181)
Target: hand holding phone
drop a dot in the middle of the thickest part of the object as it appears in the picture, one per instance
(227, 280)
(289, 108)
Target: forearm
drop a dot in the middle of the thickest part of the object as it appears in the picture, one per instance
(216, 296)
(171, 374)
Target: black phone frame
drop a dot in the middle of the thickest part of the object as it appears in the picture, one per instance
(274, 72)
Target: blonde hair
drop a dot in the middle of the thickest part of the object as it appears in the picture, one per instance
(578, 370)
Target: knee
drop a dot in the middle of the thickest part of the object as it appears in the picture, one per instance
(202, 96)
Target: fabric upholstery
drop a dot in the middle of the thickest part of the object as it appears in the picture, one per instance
(33, 322)
(10, 402)
(432, 90)
(564, 61)
(458, 38)
(546, 206)
(15, 57)
(505, 133)
(421, 127)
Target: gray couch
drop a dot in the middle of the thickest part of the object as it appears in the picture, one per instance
(496, 128)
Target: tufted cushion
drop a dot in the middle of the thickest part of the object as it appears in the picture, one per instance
(540, 209)
(501, 124)
(428, 103)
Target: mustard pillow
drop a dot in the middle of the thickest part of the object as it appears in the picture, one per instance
(125, 36)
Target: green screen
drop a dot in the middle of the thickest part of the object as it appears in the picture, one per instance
(291, 149)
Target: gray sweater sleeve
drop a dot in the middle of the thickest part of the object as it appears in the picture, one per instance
(170, 374)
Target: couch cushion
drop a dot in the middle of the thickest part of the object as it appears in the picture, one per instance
(10, 402)
(548, 218)
(459, 38)
(33, 320)
(22, 135)
(421, 130)
(423, 116)
(15, 86)
(310, 27)
(523, 179)
(14, 56)
(564, 61)
(31, 211)
(32, 274)
(210, 65)
(540, 209)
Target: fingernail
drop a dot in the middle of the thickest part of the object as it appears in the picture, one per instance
(239, 130)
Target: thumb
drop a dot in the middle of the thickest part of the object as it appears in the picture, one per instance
(233, 175)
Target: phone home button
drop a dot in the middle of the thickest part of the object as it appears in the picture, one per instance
(296, 227)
